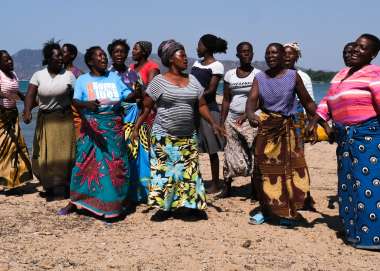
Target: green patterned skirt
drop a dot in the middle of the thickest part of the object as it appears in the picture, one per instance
(175, 177)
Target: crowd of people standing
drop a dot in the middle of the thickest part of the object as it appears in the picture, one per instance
(120, 135)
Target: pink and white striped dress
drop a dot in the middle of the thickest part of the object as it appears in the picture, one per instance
(353, 100)
(8, 86)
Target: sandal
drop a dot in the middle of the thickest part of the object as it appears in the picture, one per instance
(257, 219)
(70, 208)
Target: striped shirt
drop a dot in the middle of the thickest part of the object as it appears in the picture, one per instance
(175, 106)
(8, 86)
(353, 100)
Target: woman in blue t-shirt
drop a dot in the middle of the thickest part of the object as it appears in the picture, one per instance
(99, 180)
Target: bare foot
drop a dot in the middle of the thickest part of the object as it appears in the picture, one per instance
(309, 204)
(226, 191)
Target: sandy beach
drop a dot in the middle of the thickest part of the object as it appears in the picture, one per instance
(33, 237)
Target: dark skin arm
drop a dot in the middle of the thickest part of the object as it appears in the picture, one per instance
(210, 92)
(131, 98)
(90, 105)
(148, 104)
(308, 103)
(29, 103)
(205, 113)
(21, 95)
(227, 97)
(312, 127)
(305, 99)
(2, 95)
(253, 98)
(152, 74)
(93, 105)
(17, 96)
(252, 104)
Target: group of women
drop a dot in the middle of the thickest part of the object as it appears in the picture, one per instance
(120, 135)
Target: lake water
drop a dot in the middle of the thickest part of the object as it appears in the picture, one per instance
(319, 89)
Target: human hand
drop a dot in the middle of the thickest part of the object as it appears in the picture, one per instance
(311, 131)
(240, 120)
(70, 89)
(331, 133)
(27, 117)
(12, 96)
(92, 105)
(134, 135)
(138, 91)
(255, 121)
(218, 130)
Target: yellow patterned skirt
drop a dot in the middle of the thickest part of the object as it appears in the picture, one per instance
(15, 167)
(280, 167)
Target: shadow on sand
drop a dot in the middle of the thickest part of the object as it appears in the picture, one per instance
(28, 188)
(331, 221)
(243, 191)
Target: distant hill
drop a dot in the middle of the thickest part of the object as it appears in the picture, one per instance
(28, 61)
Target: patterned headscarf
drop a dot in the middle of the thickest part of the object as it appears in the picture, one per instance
(294, 45)
(167, 49)
(146, 46)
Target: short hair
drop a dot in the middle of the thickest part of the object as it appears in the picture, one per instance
(117, 42)
(277, 45)
(241, 44)
(3, 52)
(71, 48)
(352, 43)
(214, 44)
(47, 50)
(375, 40)
(89, 54)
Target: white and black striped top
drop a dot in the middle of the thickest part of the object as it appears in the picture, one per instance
(175, 106)
(8, 86)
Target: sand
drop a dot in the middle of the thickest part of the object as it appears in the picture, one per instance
(33, 237)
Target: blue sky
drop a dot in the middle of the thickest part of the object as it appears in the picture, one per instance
(322, 27)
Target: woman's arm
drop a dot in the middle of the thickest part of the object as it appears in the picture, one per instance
(226, 102)
(29, 102)
(148, 104)
(311, 129)
(21, 95)
(205, 113)
(305, 99)
(152, 74)
(252, 104)
(131, 98)
(2, 95)
(210, 92)
(91, 105)
(12, 96)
